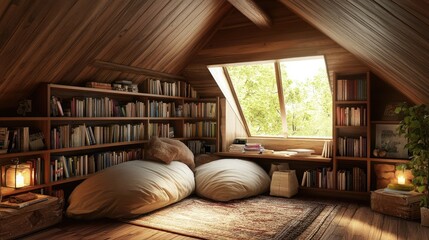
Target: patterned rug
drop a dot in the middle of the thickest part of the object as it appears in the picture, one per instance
(262, 217)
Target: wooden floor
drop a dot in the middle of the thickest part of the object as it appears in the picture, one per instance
(352, 222)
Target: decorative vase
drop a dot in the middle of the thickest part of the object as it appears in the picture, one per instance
(424, 213)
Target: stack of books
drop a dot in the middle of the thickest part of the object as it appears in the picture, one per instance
(253, 147)
(238, 148)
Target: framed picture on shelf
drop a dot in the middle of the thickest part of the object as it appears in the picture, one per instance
(388, 139)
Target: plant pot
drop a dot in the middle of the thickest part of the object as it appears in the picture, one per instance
(424, 213)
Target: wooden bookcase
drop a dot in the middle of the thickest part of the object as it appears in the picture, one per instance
(45, 122)
(374, 101)
(351, 131)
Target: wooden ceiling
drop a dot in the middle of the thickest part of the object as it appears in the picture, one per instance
(74, 41)
(58, 41)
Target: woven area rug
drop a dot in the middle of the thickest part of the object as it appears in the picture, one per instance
(262, 217)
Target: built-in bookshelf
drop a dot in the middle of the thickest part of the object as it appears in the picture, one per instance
(360, 102)
(81, 130)
(351, 131)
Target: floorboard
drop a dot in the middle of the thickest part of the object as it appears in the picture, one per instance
(351, 222)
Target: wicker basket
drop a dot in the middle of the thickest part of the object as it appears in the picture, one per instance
(398, 205)
(284, 183)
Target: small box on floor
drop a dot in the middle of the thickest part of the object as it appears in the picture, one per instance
(18, 222)
(405, 206)
(284, 183)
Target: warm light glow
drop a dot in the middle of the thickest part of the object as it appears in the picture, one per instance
(401, 179)
(19, 180)
(18, 176)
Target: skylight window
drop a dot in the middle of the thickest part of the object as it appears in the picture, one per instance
(283, 98)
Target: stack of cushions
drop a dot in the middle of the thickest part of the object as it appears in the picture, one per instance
(130, 189)
(229, 179)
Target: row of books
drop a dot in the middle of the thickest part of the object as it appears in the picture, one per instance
(354, 180)
(351, 116)
(201, 147)
(164, 88)
(318, 178)
(161, 130)
(203, 110)
(162, 109)
(63, 167)
(14, 139)
(352, 146)
(253, 147)
(237, 148)
(199, 129)
(36, 168)
(66, 136)
(352, 90)
(327, 149)
(347, 180)
(96, 107)
(176, 88)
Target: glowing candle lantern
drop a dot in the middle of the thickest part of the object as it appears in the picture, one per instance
(18, 176)
(401, 179)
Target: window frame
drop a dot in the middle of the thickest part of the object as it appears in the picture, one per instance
(277, 69)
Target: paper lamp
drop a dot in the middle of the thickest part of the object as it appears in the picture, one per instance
(18, 175)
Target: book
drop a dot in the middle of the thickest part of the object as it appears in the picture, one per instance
(304, 178)
(8, 204)
(300, 152)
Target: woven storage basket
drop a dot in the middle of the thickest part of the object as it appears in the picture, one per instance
(403, 206)
(284, 183)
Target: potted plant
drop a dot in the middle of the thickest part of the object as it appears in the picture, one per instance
(415, 127)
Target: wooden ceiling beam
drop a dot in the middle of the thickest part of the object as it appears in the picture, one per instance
(249, 9)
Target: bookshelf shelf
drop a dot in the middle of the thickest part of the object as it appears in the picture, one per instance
(68, 119)
(97, 146)
(351, 102)
(355, 128)
(312, 158)
(22, 119)
(387, 160)
(23, 154)
(71, 179)
(340, 158)
(385, 122)
(11, 191)
(324, 192)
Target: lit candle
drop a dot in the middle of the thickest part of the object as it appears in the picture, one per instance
(401, 179)
(19, 180)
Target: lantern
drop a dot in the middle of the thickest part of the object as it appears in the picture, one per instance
(401, 179)
(18, 175)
